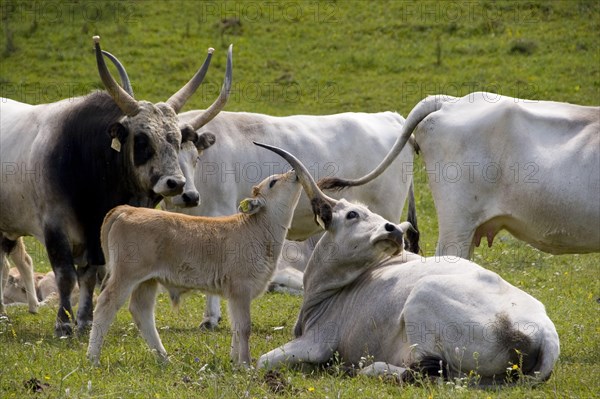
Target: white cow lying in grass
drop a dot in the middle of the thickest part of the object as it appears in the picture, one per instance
(46, 291)
(362, 301)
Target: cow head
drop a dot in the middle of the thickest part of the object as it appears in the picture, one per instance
(150, 134)
(353, 234)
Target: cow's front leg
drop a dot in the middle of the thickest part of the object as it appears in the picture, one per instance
(61, 259)
(86, 276)
(212, 313)
(309, 349)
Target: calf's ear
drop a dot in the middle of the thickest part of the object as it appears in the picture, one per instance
(250, 206)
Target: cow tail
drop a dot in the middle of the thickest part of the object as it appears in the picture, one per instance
(419, 112)
(110, 218)
(412, 235)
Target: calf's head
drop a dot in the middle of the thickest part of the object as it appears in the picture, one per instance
(276, 196)
(149, 135)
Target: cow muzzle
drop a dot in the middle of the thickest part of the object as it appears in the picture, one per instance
(188, 199)
(168, 186)
(390, 237)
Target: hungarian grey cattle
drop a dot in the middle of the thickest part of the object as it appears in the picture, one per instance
(364, 302)
(231, 256)
(66, 164)
(329, 146)
(495, 162)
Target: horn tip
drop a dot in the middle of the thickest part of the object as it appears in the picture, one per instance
(96, 39)
(211, 50)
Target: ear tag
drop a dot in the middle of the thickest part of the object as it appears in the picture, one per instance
(115, 144)
(244, 205)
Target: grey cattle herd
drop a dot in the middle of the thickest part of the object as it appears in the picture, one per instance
(233, 217)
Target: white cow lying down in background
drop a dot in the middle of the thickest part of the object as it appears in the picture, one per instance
(362, 300)
(46, 291)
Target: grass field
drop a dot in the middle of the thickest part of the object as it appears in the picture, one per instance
(289, 58)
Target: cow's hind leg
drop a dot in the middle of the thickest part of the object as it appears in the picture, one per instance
(61, 259)
(111, 299)
(86, 277)
(6, 246)
(141, 306)
(24, 264)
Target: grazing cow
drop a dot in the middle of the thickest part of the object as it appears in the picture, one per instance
(529, 167)
(232, 256)
(327, 143)
(66, 164)
(364, 301)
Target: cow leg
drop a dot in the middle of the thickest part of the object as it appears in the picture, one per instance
(212, 313)
(6, 246)
(383, 369)
(24, 264)
(61, 259)
(141, 306)
(110, 300)
(86, 277)
(455, 241)
(309, 349)
(239, 310)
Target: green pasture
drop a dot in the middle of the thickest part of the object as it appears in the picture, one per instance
(313, 58)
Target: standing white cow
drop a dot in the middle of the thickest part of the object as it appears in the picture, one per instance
(438, 315)
(529, 167)
(330, 144)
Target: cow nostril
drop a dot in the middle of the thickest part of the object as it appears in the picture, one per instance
(389, 227)
(191, 198)
(172, 183)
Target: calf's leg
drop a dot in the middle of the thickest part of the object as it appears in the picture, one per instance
(141, 307)
(239, 309)
(110, 301)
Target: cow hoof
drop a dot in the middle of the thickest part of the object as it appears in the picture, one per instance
(209, 325)
(84, 328)
(33, 309)
(63, 330)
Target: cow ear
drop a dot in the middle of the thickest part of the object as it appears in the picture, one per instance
(250, 206)
(323, 212)
(188, 134)
(118, 131)
(205, 140)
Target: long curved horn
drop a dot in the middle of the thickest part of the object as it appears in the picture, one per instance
(220, 102)
(178, 100)
(128, 104)
(125, 83)
(311, 188)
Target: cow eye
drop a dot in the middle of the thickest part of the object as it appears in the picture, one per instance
(351, 215)
(272, 183)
